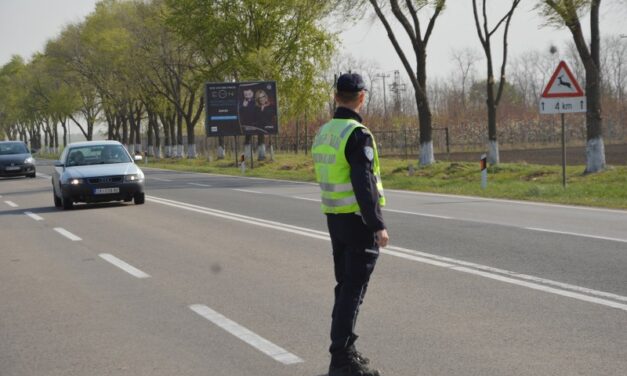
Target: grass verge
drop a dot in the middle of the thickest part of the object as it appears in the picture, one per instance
(509, 181)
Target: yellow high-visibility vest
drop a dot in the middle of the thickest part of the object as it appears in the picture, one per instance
(333, 170)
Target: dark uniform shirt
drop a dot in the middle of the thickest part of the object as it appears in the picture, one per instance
(363, 179)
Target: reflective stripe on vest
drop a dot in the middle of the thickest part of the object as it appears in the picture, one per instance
(333, 170)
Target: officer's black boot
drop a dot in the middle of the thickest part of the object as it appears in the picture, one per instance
(352, 365)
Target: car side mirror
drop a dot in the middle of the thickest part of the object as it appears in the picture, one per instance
(58, 164)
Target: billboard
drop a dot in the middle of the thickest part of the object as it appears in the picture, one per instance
(241, 108)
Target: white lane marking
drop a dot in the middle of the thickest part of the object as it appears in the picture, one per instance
(426, 258)
(33, 216)
(306, 198)
(448, 262)
(484, 222)
(398, 191)
(247, 191)
(418, 214)
(277, 353)
(506, 201)
(577, 234)
(242, 218)
(67, 234)
(160, 179)
(43, 175)
(199, 185)
(11, 204)
(123, 265)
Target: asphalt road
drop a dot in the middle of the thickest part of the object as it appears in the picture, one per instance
(220, 276)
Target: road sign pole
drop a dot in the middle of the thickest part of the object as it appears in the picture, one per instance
(563, 153)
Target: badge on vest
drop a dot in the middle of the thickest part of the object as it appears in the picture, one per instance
(369, 153)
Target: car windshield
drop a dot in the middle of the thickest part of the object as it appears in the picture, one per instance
(12, 148)
(98, 154)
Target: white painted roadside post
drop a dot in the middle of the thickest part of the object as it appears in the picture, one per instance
(243, 164)
(484, 171)
(562, 95)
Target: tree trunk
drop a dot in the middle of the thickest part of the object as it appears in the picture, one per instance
(220, 151)
(261, 147)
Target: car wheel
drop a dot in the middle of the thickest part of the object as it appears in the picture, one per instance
(57, 201)
(33, 175)
(67, 203)
(139, 198)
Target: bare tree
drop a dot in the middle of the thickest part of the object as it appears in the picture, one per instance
(465, 59)
(485, 34)
(567, 13)
(408, 17)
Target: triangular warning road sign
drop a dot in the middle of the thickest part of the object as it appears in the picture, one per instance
(562, 84)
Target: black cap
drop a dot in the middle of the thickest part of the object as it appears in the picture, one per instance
(350, 82)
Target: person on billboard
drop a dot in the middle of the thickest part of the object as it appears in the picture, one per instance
(265, 111)
(247, 108)
(348, 171)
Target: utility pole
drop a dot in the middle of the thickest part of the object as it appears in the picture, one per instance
(396, 87)
(385, 110)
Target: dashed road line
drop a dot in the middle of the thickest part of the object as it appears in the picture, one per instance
(11, 204)
(247, 191)
(577, 234)
(67, 234)
(199, 185)
(416, 213)
(306, 198)
(33, 216)
(159, 179)
(276, 352)
(123, 265)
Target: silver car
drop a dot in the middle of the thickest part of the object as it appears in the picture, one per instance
(16, 160)
(97, 171)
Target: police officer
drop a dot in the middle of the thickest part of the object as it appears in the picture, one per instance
(347, 169)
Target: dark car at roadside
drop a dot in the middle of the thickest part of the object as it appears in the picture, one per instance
(96, 171)
(16, 160)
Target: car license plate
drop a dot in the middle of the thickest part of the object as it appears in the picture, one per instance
(106, 191)
(12, 168)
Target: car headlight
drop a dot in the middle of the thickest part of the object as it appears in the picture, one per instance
(134, 178)
(76, 181)
(29, 160)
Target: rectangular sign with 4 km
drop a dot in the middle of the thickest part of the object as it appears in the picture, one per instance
(562, 105)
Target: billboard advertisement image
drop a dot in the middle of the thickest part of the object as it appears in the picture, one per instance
(241, 108)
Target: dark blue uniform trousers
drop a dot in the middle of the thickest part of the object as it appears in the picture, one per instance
(355, 254)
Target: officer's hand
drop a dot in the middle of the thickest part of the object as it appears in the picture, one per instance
(382, 238)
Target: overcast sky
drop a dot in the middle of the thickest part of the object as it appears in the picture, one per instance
(26, 25)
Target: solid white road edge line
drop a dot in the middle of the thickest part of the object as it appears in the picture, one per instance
(11, 204)
(470, 198)
(277, 353)
(123, 265)
(577, 234)
(159, 179)
(426, 258)
(67, 234)
(33, 216)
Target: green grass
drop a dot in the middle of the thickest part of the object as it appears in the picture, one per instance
(510, 181)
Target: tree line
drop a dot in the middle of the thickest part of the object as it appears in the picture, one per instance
(139, 67)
